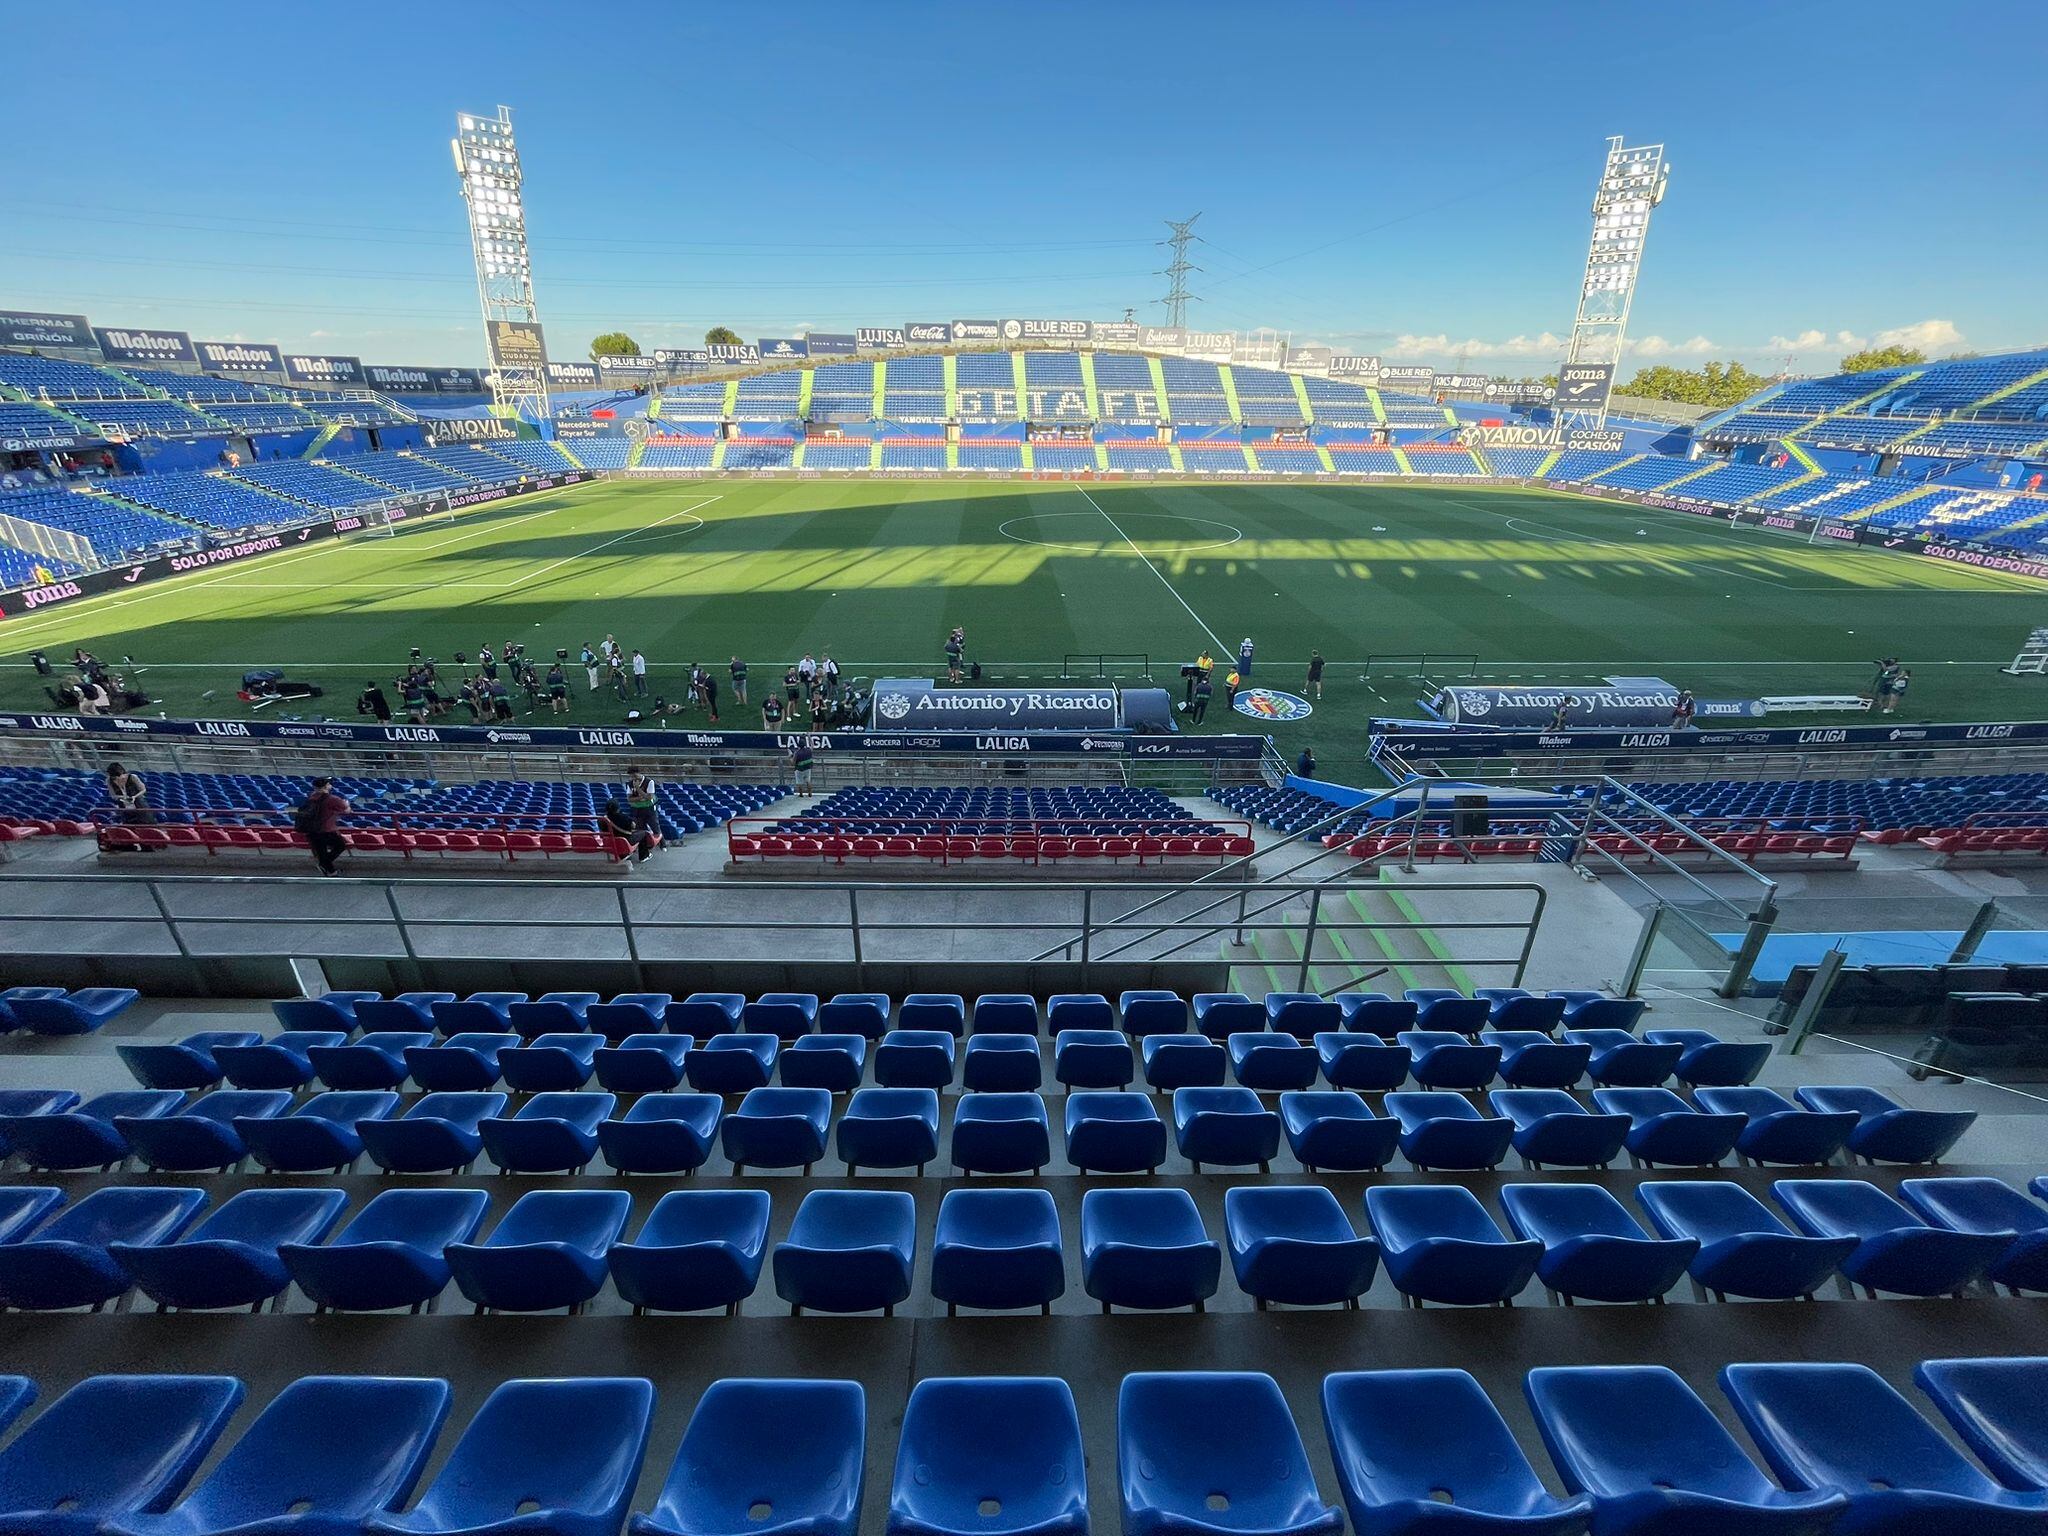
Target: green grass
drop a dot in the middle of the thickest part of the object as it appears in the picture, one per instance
(1543, 587)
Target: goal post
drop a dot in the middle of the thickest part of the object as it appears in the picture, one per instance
(2032, 659)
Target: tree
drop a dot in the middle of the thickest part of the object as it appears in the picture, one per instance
(722, 336)
(1711, 384)
(613, 344)
(1882, 357)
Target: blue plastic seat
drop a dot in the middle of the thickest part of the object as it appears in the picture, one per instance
(21, 1207)
(642, 1063)
(551, 1133)
(391, 1254)
(1174, 1062)
(1336, 1129)
(1988, 1205)
(68, 1260)
(1665, 1130)
(540, 1456)
(87, 1136)
(1514, 1009)
(1440, 1245)
(185, 1064)
(998, 1249)
(552, 1013)
(481, 1013)
(1895, 1249)
(231, 1258)
(1302, 1014)
(1620, 1060)
(1843, 1429)
(111, 1446)
(202, 1136)
(777, 1128)
(19, 1103)
(1004, 1013)
(437, 1135)
(848, 1250)
(953, 1478)
(1150, 1011)
(1444, 1059)
(855, 1013)
(832, 1062)
(75, 1013)
(549, 1251)
(550, 1063)
(1272, 1062)
(704, 1014)
(1593, 1249)
(1375, 1013)
(662, 1133)
(1093, 1058)
(1225, 1126)
(1711, 1062)
(1001, 1133)
(785, 1458)
(785, 1015)
(1445, 1010)
(1360, 1061)
(279, 1062)
(1745, 1250)
(915, 1058)
(1146, 1248)
(1001, 1064)
(1596, 1010)
(325, 1455)
(330, 1010)
(1444, 1130)
(933, 1010)
(371, 1064)
(1292, 1243)
(890, 1128)
(1530, 1059)
(1219, 1015)
(411, 1012)
(1657, 1461)
(1114, 1133)
(12, 995)
(1205, 1453)
(1419, 1452)
(2000, 1409)
(318, 1136)
(700, 1248)
(1553, 1128)
(1079, 1010)
(628, 1014)
(466, 1063)
(1886, 1132)
(731, 1064)
(1776, 1130)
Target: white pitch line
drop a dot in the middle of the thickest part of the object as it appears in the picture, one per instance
(608, 543)
(1199, 620)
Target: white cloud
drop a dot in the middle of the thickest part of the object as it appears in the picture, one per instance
(1930, 336)
(1543, 345)
(1657, 346)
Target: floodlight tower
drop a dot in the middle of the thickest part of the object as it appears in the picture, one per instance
(487, 161)
(1631, 186)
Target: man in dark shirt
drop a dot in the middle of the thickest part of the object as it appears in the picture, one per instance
(320, 819)
(374, 703)
(1203, 690)
(739, 681)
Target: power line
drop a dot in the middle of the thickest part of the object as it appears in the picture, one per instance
(1176, 274)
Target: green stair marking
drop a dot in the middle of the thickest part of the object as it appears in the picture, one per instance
(1328, 463)
(732, 397)
(1017, 377)
(1479, 459)
(1401, 458)
(1801, 455)
(1857, 404)
(653, 411)
(1384, 944)
(881, 385)
(1273, 981)
(1030, 459)
(1634, 458)
(1379, 407)
(2011, 389)
(1174, 458)
(1159, 388)
(1429, 938)
(1353, 965)
(1308, 411)
(803, 392)
(1088, 393)
(1549, 461)
(1318, 978)
(796, 457)
(949, 365)
(1101, 456)
(718, 454)
(563, 449)
(1691, 474)
(321, 439)
(1861, 513)
(638, 451)
(875, 454)
(1250, 459)
(1229, 390)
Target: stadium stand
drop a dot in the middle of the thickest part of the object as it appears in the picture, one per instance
(55, 379)
(693, 400)
(1194, 392)
(213, 501)
(534, 454)
(1518, 463)
(843, 392)
(315, 483)
(405, 472)
(1124, 387)
(115, 529)
(604, 452)
(914, 388)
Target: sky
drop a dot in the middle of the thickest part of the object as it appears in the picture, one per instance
(1401, 177)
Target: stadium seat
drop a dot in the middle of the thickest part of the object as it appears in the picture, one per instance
(1440, 1245)
(1551, 1128)
(87, 1135)
(186, 1064)
(1596, 1010)
(1079, 1010)
(628, 1014)
(1445, 1010)
(1228, 1127)
(1152, 1012)
(550, 1063)
(731, 1064)
(75, 1013)
(704, 1014)
(320, 1135)
(464, 1063)
(1375, 1013)
(1219, 1015)
(1514, 1009)
(373, 1063)
(1443, 1130)
(1620, 1060)
(1001, 1064)
(552, 1013)
(998, 1250)
(1007, 1013)
(327, 1453)
(1147, 1249)
(1093, 1058)
(202, 1136)
(392, 1252)
(1293, 1244)
(650, 1063)
(776, 1127)
(1999, 1409)
(699, 1249)
(1655, 1459)
(1360, 1061)
(785, 1015)
(934, 1010)
(16, 1103)
(1665, 1130)
(1418, 1452)
(1711, 1062)
(68, 1260)
(1336, 1130)
(890, 1128)
(1114, 1133)
(9, 1020)
(330, 1010)
(662, 1133)
(1981, 1205)
(481, 1013)
(279, 1062)
(915, 1058)
(794, 1449)
(111, 1447)
(1593, 1249)
(1001, 1133)
(412, 1012)
(1195, 1444)
(855, 1013)
(954, 1479)
(1885, 1131)
(438, 1134)
(231, 1258)
(1174, 1062)
(549, 1250)
(1530, 1059)
(848, 1251)
(832, 1062)
(551, 1133)
(21, 1207)
(1895, 1249)
(1776, 1129)
(1745, 1250)
(1446, 1059)
(1270, 1062)
(539, 1456)
(1302, 1014)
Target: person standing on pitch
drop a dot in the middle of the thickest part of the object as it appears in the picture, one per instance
(1315, 674)
(792, 689)
(639, 674)
(771, 713)
(1202, 691)
(1897, 691)
(590, 665)
(558, 689)
(1204, 665)
(828, 673)
(739, 681)
(1231, 682)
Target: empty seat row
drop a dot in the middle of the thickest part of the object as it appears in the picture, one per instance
(54, 1011)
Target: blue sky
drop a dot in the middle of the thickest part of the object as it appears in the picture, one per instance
(1404, 178)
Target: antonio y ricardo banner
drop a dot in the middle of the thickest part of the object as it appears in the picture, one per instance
(314, 368)
(517, 344)
(241, 359)
(31, 328)
(139, 346)
(782, 348)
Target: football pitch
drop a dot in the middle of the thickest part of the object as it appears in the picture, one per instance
(1540, 587)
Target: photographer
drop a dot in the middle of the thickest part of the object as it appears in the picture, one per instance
(373, 703)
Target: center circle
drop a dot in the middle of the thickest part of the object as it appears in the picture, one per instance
(1111, 539)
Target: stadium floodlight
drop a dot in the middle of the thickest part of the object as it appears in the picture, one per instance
(487, 162)
(1631, 186)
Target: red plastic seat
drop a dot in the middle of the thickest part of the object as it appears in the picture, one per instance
(1150, 848)
(898, 848)
(805, 847)
(553, 842)
(1024, 846)
(959, 847)
(1180, 847)
(1117, 849)
(493, 842)
(586, 842)
(1054, 848)
(835, 848)
(867, 847)
(930, 847)
(1088, 848)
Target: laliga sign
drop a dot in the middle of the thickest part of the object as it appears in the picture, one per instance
(1271, 705)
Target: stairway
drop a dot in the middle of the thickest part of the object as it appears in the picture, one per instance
(1088, 392)
(1230, 391)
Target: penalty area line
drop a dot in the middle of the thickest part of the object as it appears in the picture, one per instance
(1199, 620)
(632, 533)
